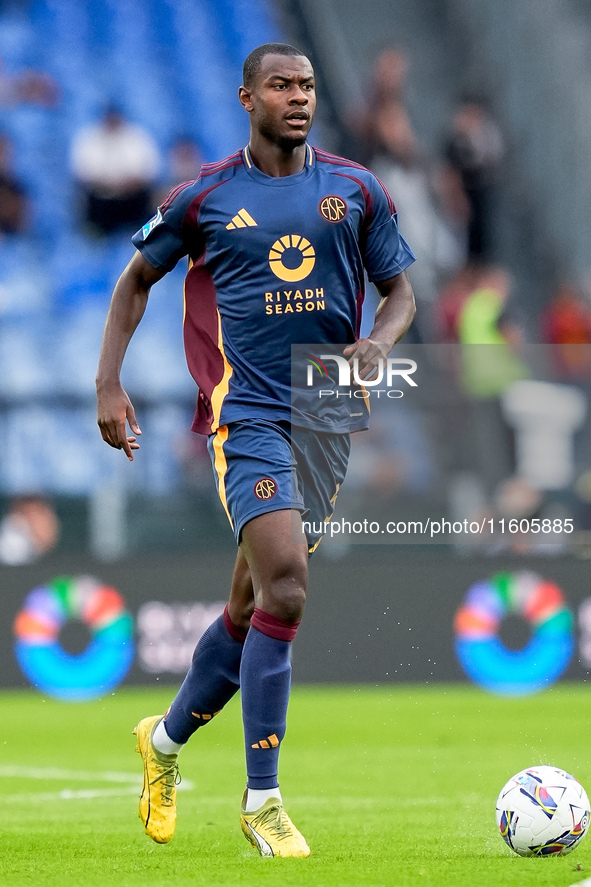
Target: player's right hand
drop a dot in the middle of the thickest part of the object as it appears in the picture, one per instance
(114, 410)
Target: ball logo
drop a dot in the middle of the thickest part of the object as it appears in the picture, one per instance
(332, 208)
(483, 655)
(265, 488)
(51, 668)
(292, 258)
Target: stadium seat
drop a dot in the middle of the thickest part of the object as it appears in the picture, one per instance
(174, 67)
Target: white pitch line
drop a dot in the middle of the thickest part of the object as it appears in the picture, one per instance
(132, 780)
(19, 772)
(585, 883)
(68, 794)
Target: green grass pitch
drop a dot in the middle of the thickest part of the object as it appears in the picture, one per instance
(390, 785)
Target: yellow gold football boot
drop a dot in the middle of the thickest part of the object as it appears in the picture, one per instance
(270, 830)
(157, 808)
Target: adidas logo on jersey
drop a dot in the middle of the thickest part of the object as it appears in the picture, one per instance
(242, 219)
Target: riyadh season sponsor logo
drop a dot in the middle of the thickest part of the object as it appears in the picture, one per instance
(391, 372)
(292, 258)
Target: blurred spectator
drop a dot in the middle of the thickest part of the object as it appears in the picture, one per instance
(484, 317)
(396, 456)
(451, 301)
(28, 87)
(489, 362)
(115, 164)
(566, 322)
(389, 77)
(582, 490)
(184, 165)
(13, 199)
(486, 320)
(473, 308)
(514, 499)
(475, 151)
(386, 89)
(185, 160)
(29, 530)
(436, 237)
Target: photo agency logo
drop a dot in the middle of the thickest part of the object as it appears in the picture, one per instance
(389, 373)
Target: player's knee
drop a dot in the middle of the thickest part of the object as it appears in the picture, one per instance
(289, 604)
(282, 591)
(285, 594)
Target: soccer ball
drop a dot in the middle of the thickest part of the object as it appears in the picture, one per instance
(543, 811)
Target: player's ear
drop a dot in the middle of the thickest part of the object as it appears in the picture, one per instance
(245, 96)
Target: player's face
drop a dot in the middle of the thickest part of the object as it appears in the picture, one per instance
(282, 101)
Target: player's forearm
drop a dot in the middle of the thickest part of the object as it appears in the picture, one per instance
(396, 310)
(128, 304)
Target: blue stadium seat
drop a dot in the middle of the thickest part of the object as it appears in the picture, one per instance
(76, 346)
(174, 67)
(25, 359)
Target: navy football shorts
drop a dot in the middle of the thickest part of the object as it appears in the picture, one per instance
(262, 466)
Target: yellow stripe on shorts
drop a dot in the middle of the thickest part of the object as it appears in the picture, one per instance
(221, 466)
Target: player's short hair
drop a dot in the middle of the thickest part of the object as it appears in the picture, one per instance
(253, 62)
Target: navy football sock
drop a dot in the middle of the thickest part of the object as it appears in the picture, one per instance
(265, 680)
(211, 681)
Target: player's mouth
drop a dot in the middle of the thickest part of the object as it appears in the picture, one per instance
(297, 119)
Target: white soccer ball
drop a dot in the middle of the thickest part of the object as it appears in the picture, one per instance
(543, 811)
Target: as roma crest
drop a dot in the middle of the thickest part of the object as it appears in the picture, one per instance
(332, 208)
(265, 488)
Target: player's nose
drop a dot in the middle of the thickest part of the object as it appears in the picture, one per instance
(298, 97)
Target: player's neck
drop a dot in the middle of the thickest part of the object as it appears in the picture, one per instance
(273, 160)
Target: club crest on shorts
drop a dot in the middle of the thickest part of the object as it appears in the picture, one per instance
(265, 488)
(332, 208)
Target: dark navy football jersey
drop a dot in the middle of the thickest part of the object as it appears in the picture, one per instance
(272, 262)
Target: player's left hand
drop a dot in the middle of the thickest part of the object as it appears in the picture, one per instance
(115, 411)
(367, 353)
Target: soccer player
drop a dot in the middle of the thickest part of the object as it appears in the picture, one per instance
(277, 238)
